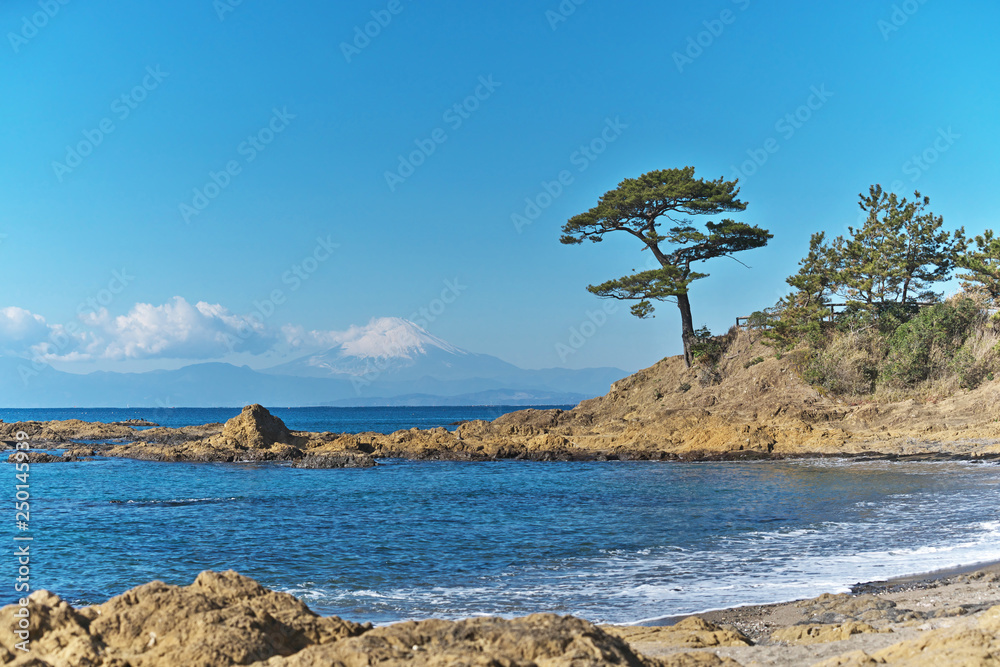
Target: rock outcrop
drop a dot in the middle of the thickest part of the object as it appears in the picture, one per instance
(56, 433)
(225, 619)
(822, 633)
(251, 436)
(256, 428)
(322, 461)
(963, 644)
(691, 632)
(220, 619)
(39, 457)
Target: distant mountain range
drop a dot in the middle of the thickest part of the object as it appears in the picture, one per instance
(390, 361)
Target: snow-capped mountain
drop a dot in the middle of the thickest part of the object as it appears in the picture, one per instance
(396, 349)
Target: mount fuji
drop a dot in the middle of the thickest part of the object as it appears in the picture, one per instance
(395, 359)
(398, 348)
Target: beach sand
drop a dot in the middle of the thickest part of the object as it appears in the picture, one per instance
(941, 618)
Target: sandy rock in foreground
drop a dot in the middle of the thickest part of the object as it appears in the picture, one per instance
(220, 619)
(545, 640)
(226, 619)
(692, 632)
(822, 633)
(969, 644)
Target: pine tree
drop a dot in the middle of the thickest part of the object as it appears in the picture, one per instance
(899, 253)
(801, 313)
(983, 266)
(636, 206)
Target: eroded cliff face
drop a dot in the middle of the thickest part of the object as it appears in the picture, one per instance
(751, 405)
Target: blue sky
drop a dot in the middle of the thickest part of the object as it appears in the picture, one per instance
(249, 147)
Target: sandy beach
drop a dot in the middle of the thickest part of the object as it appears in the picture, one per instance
(940, 618)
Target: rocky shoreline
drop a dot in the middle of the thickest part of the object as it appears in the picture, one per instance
(226, 619)
(740, 410)
(949, 618)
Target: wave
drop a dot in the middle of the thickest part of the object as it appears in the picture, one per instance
(174, 502)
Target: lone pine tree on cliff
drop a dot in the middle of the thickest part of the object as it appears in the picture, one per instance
(638, 206)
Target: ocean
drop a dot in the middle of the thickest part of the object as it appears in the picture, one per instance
(620, 542)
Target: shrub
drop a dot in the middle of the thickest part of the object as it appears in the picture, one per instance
(928, 346)
(706, 348)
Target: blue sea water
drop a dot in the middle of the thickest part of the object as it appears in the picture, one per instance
(616, 541)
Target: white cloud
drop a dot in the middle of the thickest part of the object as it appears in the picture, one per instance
(20, 325)
(174, 330)
(298, 338)
(179, 330)
(25, 333)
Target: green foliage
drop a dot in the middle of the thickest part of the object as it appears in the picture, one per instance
(817, 273)
(899, 253)
(983, 266)
(883, 270)
(881, 318)
(795, 320)
(706, 348)
(800, 315)
(637, 206)
(897, 256)
(901, 348)
(754, 362)
(930, 344)
(684, 387)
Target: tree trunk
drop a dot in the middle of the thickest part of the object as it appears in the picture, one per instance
(687, 327)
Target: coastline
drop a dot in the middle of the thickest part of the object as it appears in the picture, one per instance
(224, 618)
(739, 615)
(872, 619)
(920, 619)
(920, 581)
